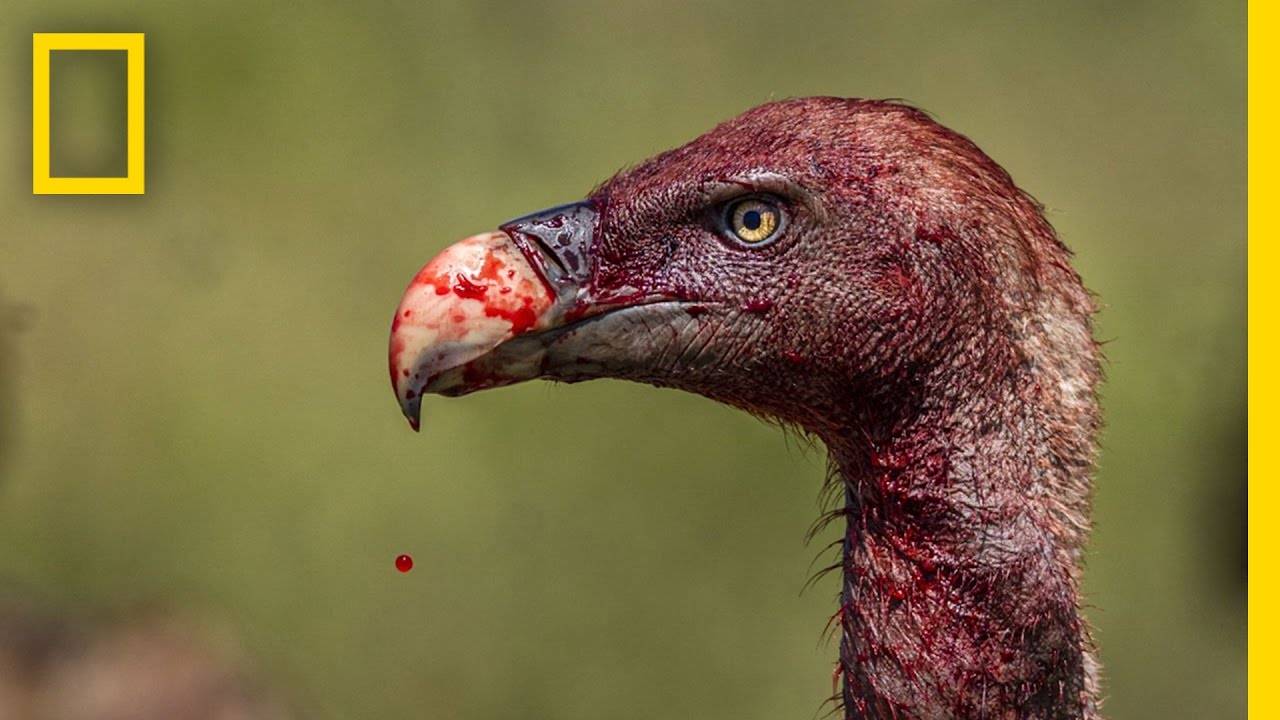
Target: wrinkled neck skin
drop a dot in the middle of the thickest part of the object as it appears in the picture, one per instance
(964, 515)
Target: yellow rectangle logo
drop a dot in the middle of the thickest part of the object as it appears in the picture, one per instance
(133, 183)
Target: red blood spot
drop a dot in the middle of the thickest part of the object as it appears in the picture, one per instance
(407, 313)
(405, 372)
(489, 271)
(465, 288)
(757, 305)
(793, 357)
(504, 291)
(521, 319)
(404, 563)
(459, 318)
(695, 310)
(442, 289)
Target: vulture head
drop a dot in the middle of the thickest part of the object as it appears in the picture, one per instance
(854, 269)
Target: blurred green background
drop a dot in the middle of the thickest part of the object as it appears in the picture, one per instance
(195, 411)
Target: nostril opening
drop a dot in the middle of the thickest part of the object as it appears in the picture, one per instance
(539, 254)
(549, 254)
(561, 238)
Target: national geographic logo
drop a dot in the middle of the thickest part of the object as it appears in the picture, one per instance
(134, 47)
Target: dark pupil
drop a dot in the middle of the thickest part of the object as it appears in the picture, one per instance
(751, 219)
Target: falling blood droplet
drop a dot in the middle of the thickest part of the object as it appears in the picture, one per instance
(404, 563)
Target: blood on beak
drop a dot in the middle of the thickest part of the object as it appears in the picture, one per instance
(472, 297)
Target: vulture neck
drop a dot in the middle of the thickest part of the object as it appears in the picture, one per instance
(966, 501)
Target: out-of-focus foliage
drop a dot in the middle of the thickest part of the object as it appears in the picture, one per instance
(143, 666)
(197, 411)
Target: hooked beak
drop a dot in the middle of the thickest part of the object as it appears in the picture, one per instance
(488, 293)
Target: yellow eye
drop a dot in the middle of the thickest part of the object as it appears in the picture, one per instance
(753, 221)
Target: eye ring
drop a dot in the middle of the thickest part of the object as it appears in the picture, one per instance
(753, 221)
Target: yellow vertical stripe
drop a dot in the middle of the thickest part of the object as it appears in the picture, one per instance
(1264, 305)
